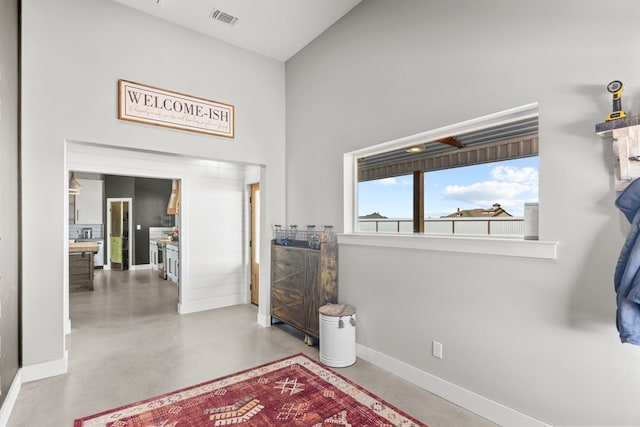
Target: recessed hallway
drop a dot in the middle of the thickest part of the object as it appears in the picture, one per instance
(128, 343)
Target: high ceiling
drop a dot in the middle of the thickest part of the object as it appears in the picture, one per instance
(274, 28)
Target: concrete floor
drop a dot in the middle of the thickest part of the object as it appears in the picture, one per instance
(128, 344)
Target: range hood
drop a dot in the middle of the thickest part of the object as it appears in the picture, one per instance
(173, 208)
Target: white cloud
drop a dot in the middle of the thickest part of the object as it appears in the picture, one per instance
(510, 187)
(388, 181)
(487, 190)
(514, 174)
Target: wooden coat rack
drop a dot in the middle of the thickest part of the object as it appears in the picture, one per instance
(626, 148)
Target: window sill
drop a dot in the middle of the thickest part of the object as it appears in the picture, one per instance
(471, 245)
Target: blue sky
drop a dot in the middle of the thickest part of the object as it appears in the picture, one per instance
(510, 183)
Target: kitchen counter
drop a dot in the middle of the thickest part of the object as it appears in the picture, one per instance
(81, 265)
(79, 247)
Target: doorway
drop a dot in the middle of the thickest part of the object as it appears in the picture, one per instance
(254, 243)
(119, 243)
(214, 208)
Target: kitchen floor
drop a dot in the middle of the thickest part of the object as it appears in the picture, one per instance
(128, 343)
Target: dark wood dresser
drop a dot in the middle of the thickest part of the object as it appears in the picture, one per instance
(302, 281)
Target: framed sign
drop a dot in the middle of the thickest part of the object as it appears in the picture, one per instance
(146, 104)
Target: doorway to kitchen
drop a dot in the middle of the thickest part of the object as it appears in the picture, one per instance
(214, 264)
(129, 212)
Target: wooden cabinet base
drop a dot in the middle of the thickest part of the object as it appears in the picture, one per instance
(81, 271)
(302, 281)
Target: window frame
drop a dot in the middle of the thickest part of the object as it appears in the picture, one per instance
(478, 245)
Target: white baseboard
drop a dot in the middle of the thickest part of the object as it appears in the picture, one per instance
(264, 320)
(46, 369)
(140, 267)
(10, 400)
(210, 303)
(132, 267)
(467, 399)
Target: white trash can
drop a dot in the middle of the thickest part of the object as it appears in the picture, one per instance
(337, 335)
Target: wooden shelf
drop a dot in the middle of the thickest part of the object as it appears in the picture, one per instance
(626, 148)
(607, 128)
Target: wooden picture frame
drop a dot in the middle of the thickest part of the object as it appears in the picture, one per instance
(160, 107)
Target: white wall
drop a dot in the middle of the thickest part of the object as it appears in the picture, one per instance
(537, 336)
(73, 55)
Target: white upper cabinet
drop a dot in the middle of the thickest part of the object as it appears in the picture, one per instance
(89, 203)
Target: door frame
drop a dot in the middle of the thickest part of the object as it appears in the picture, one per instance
(254, 243)
(107, 265)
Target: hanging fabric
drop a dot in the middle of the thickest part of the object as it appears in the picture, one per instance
(627, 274)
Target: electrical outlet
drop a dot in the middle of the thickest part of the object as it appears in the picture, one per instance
(436, 349)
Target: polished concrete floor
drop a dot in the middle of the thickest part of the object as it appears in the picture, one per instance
(127, 343)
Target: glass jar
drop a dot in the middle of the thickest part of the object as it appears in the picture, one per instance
(311, 235)
(277, 233)
(329, 235)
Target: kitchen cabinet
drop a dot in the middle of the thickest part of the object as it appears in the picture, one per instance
(89, 202)
(81, 271)
(81, 265)
(302, 281)
(153, 254)
(173, 263)
(98, 258)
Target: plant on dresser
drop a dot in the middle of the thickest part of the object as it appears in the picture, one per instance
(303, 280)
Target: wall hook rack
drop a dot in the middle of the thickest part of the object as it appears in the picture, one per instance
(626, 148)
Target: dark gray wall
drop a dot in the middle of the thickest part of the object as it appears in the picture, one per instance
(9, 195)
(150, 207)
(118, 186)
(150, 197)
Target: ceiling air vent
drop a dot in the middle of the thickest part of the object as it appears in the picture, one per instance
(223, 17)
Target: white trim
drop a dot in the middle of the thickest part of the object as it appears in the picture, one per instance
(67, 325)
(471, 245)
(211, 303)
(46, 369)
(10, 400)
(140, 267)
(350, 189)
(264, 321)
(467, 399)
(350, 192)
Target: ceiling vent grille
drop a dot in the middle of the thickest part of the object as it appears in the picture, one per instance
(223, 17)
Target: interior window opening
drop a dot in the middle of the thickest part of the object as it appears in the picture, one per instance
(480, 200)
(478, 183)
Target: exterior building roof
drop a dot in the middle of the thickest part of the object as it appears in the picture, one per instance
(493, 211)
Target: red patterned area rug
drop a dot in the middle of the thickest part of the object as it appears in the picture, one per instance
(295, 391)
